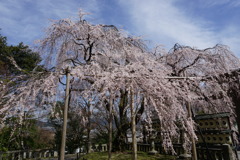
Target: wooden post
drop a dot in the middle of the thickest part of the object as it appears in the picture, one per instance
(194, 150)
(110, 127)
(89, 144)
(65, 113)
(133, 122)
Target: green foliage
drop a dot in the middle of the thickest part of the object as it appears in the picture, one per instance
(76, 132)
(25, 58)
(16, 135)
(3, 50)
(126, 156)
(20, 134)
(57, 121)
(101, 137)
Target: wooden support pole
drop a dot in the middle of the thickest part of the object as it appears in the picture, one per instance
(65, 113)
(110, 127)
(194, 150)
(133, 122)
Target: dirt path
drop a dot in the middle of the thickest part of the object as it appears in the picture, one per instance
(67, 157)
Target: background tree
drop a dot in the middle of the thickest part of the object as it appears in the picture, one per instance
(77, 132)
(3, 48)
(22, 134)
(16, 59)
(17, 63)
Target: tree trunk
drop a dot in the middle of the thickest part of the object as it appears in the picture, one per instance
(110, 127)
(122, 123)
(64, 130)
(133, 123)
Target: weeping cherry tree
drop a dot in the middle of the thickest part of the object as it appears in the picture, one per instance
(103, 60)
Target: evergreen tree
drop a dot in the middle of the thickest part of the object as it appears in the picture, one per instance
(16, 59)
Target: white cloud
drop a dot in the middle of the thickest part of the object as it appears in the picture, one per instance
(230, 36)
(210, 3)
(165, 23)
(235, 3)
(161, 21)
(25, 20)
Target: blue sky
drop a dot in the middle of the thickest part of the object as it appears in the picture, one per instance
(197, 23)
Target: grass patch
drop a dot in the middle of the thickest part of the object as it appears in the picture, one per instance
(126, 156)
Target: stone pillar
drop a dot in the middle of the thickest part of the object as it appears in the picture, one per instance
(153, 151)
(24, 154)
(30, 154)
(184, 155)
(89, 147)
(55, 153)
